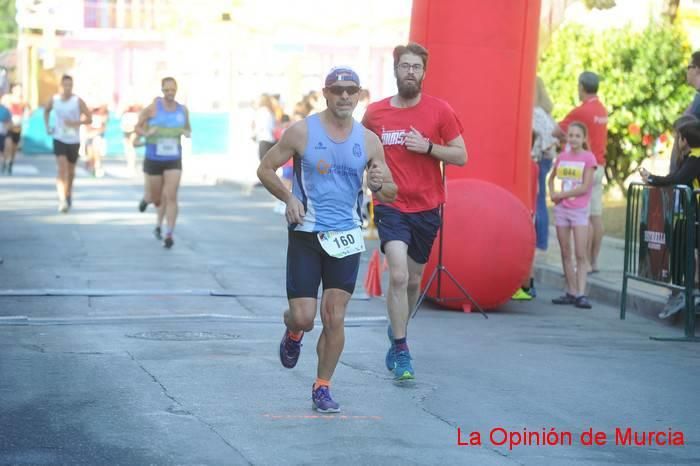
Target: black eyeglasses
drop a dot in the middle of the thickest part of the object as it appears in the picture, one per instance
(338, 90)
(416, 67)
(690, 67)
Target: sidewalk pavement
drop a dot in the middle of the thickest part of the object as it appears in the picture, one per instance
(605, 286)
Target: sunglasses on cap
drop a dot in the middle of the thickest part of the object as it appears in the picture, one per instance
(338, 90)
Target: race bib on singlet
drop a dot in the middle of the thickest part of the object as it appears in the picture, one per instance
(67, 132)
(17, 120)
(167, 146)
(340, 244)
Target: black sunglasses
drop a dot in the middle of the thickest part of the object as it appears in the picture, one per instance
(338, 90)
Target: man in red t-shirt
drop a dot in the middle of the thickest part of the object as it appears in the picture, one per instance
(418, 132)
(593, 114)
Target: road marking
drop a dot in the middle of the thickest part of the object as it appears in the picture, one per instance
(86, 320)
(102, 292)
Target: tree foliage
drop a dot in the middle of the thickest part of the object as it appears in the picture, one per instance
(670, 8)
(8, 25)
(600, 4)
(642, 84)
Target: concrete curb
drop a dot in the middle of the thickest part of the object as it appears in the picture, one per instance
(646, 305)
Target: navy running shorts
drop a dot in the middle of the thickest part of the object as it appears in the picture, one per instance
(155, 167)
(308, 265)
(70, 151)
(417, 229)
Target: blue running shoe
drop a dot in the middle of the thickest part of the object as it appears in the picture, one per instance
(289, 350)
(403, 369)
(321, 400)
(390, 359)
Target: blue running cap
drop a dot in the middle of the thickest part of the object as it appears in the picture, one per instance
(341, 73)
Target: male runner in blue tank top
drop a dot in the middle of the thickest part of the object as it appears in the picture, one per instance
(331, 152)
(163, 123)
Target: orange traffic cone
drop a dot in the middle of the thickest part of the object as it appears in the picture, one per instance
(373, 279)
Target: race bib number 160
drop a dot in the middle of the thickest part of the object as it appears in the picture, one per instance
(340, 244)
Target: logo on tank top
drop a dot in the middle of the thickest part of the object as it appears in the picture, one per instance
(343, 171)
(320, 146)
(323, 167)
(357, 151)
(393, 137)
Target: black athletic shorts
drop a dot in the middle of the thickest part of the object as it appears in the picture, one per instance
(14, 135)
(308, 265)
(154, 167)
(71, 151)
(417, 229)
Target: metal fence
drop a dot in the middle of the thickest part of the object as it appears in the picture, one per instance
(660, 244)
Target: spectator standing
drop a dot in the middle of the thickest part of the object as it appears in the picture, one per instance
(264, 125)
(543, 153)
(594, 116)
(573, 170)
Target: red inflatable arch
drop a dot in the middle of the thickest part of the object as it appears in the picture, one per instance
(483, 58)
